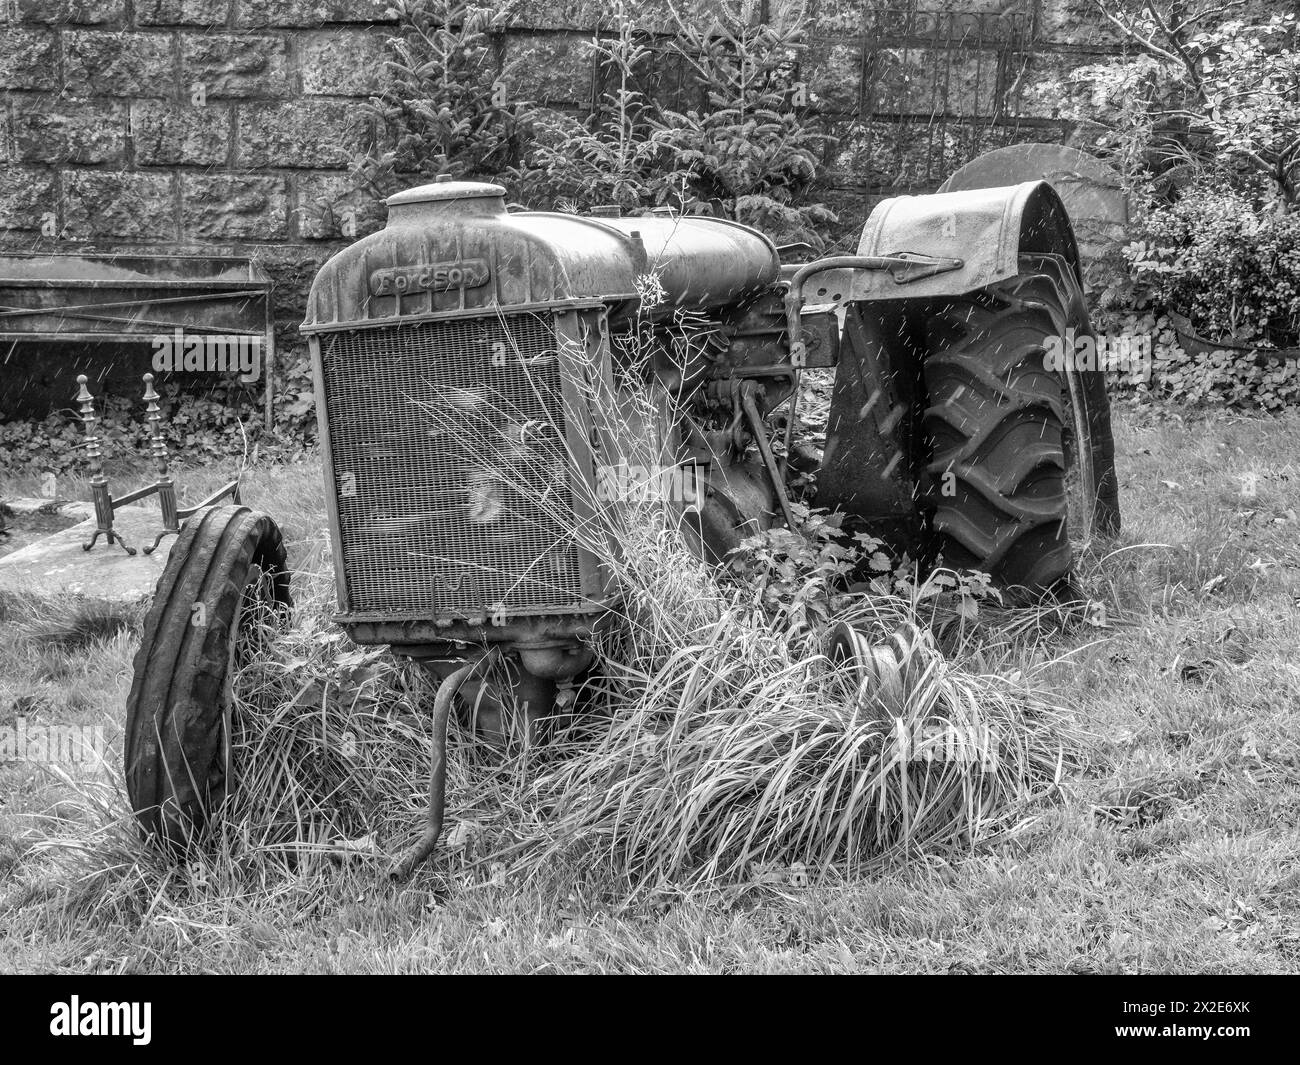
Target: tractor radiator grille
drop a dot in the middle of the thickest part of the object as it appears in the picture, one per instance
(451, 474)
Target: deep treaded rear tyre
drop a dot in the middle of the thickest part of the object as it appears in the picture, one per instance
(177, 720)
(1003, 429)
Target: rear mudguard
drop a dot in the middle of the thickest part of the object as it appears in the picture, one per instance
(987, 229)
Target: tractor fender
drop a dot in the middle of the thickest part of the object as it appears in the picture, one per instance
(988, 229)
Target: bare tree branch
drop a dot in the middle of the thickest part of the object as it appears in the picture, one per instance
(1130, 31)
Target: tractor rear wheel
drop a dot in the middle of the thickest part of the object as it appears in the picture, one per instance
(225, 576)
(1021, 469)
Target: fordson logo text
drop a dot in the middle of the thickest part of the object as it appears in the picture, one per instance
(430, 277)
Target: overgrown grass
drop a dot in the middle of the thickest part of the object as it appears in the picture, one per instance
(1190, 673)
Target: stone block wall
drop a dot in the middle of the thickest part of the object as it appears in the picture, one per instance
(178, 124)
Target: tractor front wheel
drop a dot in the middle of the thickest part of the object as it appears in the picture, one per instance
(225, 577)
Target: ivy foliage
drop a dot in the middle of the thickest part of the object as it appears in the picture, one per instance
(1241, 379)
(217, 426)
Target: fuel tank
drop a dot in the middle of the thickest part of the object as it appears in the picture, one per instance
(453, 247)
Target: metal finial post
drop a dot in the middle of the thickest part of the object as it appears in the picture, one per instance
(98, 482)
(158, 446)
(153, 415)
(105, 504)
(88, 420)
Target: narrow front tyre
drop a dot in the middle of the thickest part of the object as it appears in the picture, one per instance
(226, 579)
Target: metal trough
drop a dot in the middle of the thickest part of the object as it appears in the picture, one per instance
(130, 299)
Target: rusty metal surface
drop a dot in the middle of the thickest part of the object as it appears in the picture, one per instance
(452, 486)
(988, 229)
(129, 297)
(463, 252)
(125, 300)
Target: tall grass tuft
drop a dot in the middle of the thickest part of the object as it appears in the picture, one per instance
(70, 624)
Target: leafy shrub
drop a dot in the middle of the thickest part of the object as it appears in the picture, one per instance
(1201, 115)
(1234, 273)
(1248, 88)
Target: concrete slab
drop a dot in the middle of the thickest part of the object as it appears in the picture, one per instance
(56, 566)
(33, 505)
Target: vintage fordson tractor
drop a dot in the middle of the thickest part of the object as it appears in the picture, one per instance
(459, 353)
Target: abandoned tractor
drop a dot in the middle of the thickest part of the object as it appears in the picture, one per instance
(465, 358)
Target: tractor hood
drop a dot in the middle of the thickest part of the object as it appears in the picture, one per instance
(453, 247)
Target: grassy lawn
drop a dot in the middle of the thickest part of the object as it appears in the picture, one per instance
(1187, 686)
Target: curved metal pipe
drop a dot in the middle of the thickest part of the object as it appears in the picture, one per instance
(765, 449)
(438, 770)
(794, 294)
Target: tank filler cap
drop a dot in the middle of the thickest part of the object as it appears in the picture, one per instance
(445, 196)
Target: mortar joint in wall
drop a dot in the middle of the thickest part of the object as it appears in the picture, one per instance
(178, 68)
(232, 149)
(294, 58)
(293, 223)
(178, 208)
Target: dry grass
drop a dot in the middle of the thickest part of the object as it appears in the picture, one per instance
(1196, 678)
